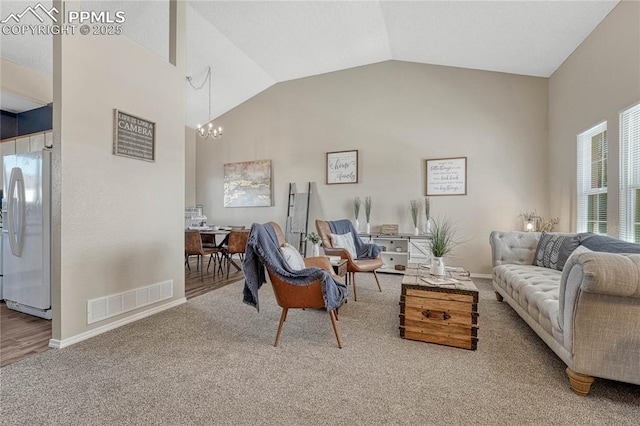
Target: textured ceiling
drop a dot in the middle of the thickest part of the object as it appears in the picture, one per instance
(253, 45)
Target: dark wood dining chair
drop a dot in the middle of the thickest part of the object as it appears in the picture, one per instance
(236, 244)
(193, 247)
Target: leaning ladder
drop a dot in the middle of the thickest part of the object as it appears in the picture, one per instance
(298, 217)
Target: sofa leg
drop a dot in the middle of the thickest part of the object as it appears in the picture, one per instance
(580, 383)
(499, 297)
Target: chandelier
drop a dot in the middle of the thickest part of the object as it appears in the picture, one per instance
(208, 131)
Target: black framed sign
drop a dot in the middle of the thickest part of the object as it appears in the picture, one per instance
(342, 167)
(133, 137)
(447, 176)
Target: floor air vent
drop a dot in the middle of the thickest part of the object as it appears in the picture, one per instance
(116, 304)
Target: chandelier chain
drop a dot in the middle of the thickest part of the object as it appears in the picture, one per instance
(207, 79)
(210, 131)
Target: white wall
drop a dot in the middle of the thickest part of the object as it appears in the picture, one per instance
(600, 78)
(190, 166)
(397, 114)
(118, 222)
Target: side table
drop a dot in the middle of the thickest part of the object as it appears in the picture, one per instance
(340, 267)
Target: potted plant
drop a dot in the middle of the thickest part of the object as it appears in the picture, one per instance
(442, 243)
(356, 209)
(315, 240)
(415, 209)
(367, 212)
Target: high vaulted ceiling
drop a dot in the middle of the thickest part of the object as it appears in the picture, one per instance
(251, 45)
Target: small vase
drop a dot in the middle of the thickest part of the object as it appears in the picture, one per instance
(437, 266)
(427, 227)
(416, 231)
(368, 228)
(316, 250)
(357, 225)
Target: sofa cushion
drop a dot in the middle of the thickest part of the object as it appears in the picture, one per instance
(607, 244)
(535, 289)
(554, 250)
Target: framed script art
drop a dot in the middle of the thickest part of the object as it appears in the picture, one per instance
(447, 176)
(342, 167)
(133, 137)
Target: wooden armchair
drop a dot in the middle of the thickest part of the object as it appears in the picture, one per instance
(289, 296)
(353, 265)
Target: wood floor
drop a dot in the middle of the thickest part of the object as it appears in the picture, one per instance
(23, 335)
(193, 287)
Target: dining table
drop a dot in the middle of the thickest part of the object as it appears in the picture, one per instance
(216, 232)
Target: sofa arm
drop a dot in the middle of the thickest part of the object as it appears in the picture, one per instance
(600, 314)
(597, 273)
(610, 273)
(513, 247)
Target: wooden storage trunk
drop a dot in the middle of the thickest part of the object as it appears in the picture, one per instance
(440, 315)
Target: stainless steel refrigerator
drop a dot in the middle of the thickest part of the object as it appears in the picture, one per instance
(26, 233)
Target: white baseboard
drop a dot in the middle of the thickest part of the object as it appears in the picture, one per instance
(59, 344)
(487, 276)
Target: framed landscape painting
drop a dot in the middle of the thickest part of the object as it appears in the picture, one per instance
(247, 184)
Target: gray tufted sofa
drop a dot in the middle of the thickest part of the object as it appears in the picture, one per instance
(588, 313)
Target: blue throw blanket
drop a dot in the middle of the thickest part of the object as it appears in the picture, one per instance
(263, 250)
(364, 251)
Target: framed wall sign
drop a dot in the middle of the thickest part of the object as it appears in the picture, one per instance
(342, 167)
(133, 137)
(447, 176)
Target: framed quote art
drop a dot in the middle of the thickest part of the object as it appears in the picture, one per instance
(342, 167)
(447, 176)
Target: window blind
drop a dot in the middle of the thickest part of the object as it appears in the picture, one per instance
(630, 174)
(591, 179)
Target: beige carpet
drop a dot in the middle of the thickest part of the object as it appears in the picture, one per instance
(211, 361)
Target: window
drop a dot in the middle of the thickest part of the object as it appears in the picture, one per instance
(630, 174)
(592, 180)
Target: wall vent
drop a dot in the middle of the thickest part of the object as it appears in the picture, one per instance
(108, 306)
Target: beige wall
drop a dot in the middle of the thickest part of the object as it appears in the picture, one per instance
(118, 222)
(397, 114)
(600, 78)
(190, 166)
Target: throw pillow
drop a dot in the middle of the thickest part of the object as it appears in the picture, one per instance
(607, 244)
(345, 241)
(293, 257)
(569, 244)
(554, 249)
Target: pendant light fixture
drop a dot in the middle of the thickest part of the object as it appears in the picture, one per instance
(209, 131)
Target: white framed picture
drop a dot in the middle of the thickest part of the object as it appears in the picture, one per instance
(342, 167)
(447, 176)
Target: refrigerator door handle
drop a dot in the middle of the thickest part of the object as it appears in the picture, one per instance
(16, 230)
